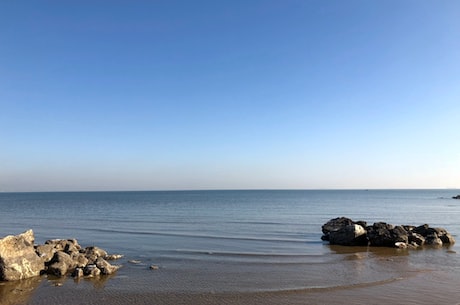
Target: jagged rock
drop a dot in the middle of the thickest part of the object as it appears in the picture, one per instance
(46, 252)
(381, 234)
(105, 267)
(344, 231)
(444, 236)
(78, 272)
(93, 253)
(433, 240)
(112, 257)
(91, 270)
(456, 197)
(416, 239)
(79, 259)
(66, 245)
(18, 259)
(335, 225)
(61, 264)
(349, 235)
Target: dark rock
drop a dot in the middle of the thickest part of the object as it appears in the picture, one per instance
(423, 230)
(381, 234)
(456, 197)
(433, 240)
(444, 236)
(349, 235)
(416, 239)
(335, 225)
(344, 231)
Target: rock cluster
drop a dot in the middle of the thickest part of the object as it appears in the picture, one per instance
(456, 197)
(20, 258)
(344, 231)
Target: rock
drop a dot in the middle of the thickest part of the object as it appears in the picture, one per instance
(456, 197)
(66, 245)
(78, 272)
(91, 270)
(349, 235)
(381, 234)
(154, 267)
(60, 264)
(423, 230)
(134, 261)
(112, 257)
(18, 259)
(401, 245)
(79, 259)
(433, 240)
(445, 236)
(46, 252)
(93, 253)
(105, 267)
(416, 239)
(335, 225)
(344, 231)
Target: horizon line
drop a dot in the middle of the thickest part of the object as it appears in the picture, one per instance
(231, 189)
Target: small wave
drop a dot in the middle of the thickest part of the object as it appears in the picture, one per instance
(191, 235)
(248, 254)
(328, 288)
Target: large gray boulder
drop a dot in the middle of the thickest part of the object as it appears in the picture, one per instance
(18, 259)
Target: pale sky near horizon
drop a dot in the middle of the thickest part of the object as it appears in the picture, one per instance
(292, 94)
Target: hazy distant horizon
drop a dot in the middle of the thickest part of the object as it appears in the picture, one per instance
(205, 94)
(224, 190)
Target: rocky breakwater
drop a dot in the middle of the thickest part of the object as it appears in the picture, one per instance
(20, 258)
(346, 232)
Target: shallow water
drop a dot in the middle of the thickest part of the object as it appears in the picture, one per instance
(250, 246)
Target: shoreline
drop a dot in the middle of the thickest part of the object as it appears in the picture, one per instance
(416, 288)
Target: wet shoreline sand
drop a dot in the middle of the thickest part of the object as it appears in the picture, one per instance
(418, 287)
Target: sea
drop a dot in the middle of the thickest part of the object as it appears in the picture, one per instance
(238, 246)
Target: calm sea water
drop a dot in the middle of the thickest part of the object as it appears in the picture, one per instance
(239, 241)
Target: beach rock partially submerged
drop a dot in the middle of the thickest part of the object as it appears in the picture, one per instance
(20, 258)
(346, 232)
(456, 197)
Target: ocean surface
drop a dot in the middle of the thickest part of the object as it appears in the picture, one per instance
(256, 245)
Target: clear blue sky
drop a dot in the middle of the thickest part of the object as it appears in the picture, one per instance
(130, 95)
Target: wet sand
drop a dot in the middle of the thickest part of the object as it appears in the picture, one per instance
(422, 287)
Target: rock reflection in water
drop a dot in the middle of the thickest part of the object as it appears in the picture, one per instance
(24, 291)
(18, 292)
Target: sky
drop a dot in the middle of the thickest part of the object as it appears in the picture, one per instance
(205, 94)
